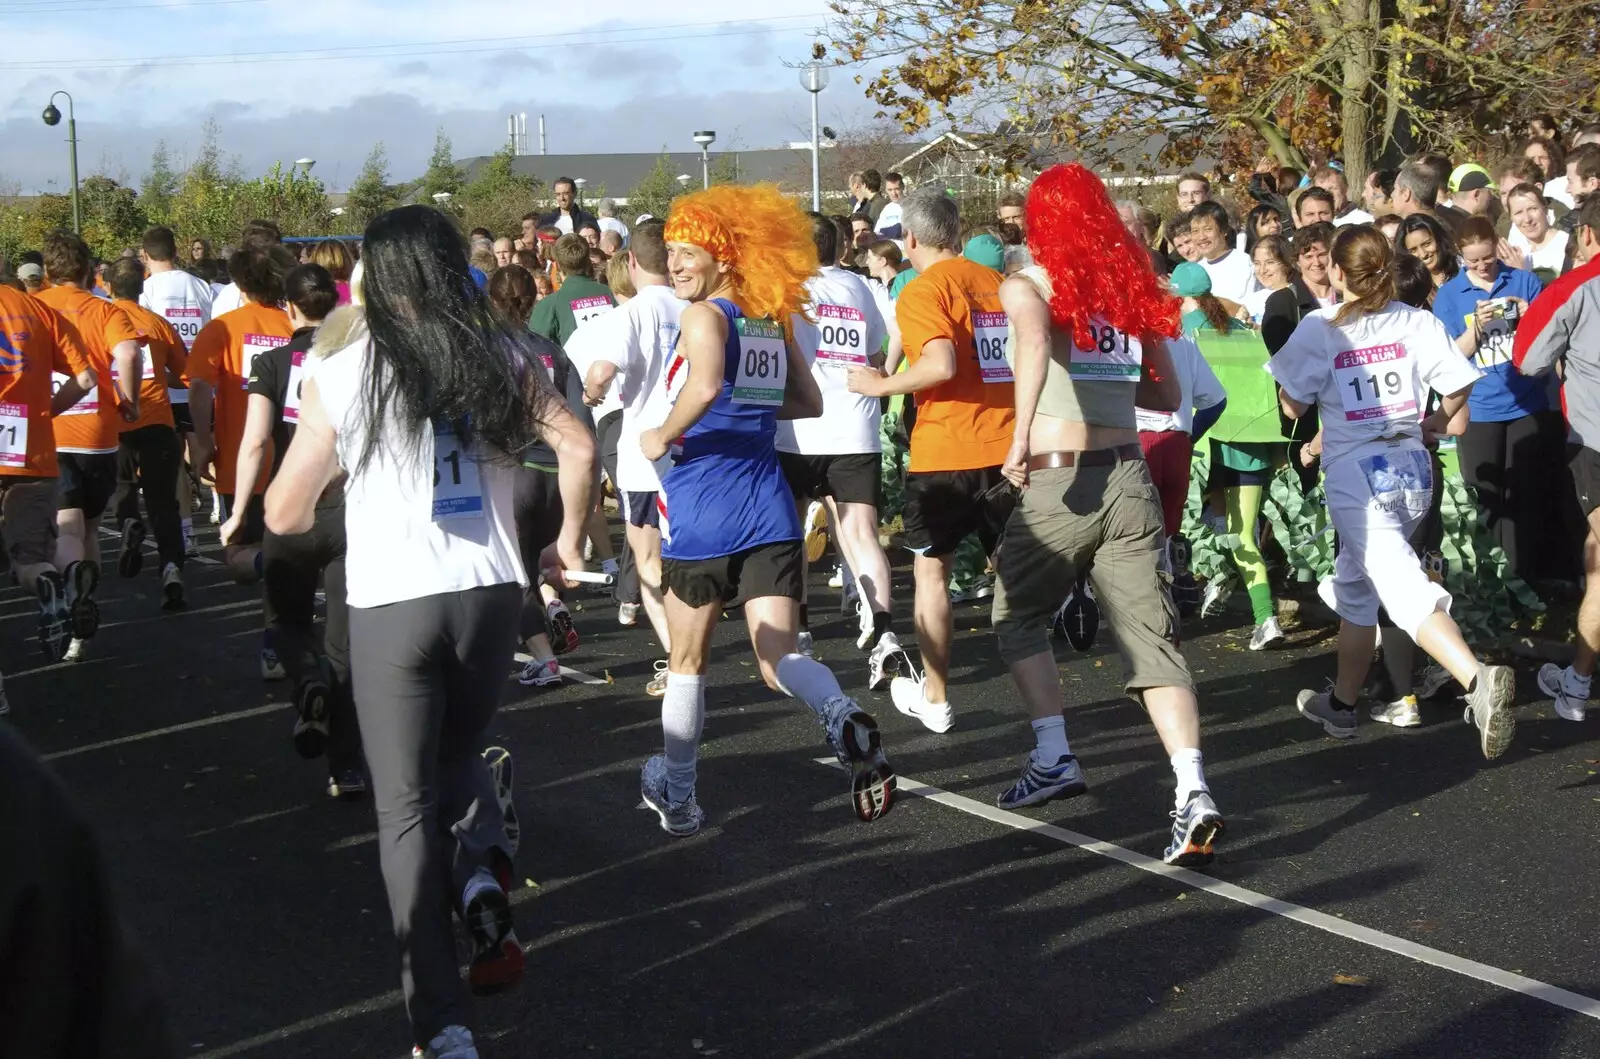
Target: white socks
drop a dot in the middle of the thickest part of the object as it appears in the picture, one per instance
(1051, 735)
(1186, 767)
(683, 715)
(807, 679)
(1576, 686)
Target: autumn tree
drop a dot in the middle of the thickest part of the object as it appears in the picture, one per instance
(371, 194)
(497, 195)
(160, 185)
(443, 175)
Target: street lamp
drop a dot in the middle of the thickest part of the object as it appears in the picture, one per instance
(305, 164)
(705, 139)
(52, 117)
(683, 180)
(814, 78)
(442, 198)
(577, 190)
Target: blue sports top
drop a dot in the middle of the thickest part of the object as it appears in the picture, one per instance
(725, 492)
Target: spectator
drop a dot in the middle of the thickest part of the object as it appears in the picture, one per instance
(1426, 239)
(872, 205)
(1552, 162)
(529, 259)
(1544, 127)
(609, 222)
(1289, 180)
(1377, 191)
(481, 263)
(1590, 133)
(530, 231)
(200, 250)
(1260, 222)
(335, 256)
(888, 223)
(31, 275)
(481, 234)
(1232, 278)
(860, 230)
(1416, 190)
(1310, 288)
(1389, 225)
(569, 215)
(858, 190)
(1583, 172)
(1193, 189)
(1413, 283)
(512, 294)
(610, 242)
(1182, 238)
(1513, 441)
(1315, 206)
(1274, 265)
(1472, 190)
(590, 230)
(1010, 208)
(503, 249)
(1539, 246)
(986, 250)
(1440, 167)
(1513, 172)
(1131, 214)
(1333, 181)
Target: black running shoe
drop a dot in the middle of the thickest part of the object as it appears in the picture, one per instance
(82, 578)
(311, 726)
(131, 559)
(497, 957)
(54, 619)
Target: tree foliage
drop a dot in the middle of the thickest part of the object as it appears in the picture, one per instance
(159, 189)
(443, 174)
(655, 192)
(371, 194)
(1131, 83)
(497, 195)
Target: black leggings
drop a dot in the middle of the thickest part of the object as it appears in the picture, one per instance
(149, 460)
(536, 503)
(1516, 468)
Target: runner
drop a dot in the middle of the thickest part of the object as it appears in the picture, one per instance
(150, 456)
(293, 564)
(184, 300)
(953, 330)
(86, 436)
(258, 235)
(426, 415)
(740, 256)
(838, 455)
(36, 343)
(636, 342)
(1369, 365)
(219, 375)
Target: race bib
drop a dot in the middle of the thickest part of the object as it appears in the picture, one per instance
(1375, 383)
(254, 346)
(1494, 346)
(186, 322)
(13, 435)
(586, 309)
(88, 404)
(457, 488)
(841, 336)
(1114, 356)
(291, 399)
(763, 364)
(989, 331)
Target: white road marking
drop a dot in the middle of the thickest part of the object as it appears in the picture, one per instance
(156, 733)
(570, 674)
(247, 820)
(151, 549)
(1377, 939)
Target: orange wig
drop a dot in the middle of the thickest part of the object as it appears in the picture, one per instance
(761, 234)
(1096, 268)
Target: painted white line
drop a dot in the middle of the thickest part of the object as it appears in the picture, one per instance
(1377, 939)
(247, 820)
(187, 726)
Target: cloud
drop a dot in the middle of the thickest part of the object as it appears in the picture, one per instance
(413, 69)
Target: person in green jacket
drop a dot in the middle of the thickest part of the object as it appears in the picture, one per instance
(580, 297)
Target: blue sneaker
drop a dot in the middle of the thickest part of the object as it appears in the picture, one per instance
(853, 735)
(1194, 828)
(678, 819)
(1039, 784)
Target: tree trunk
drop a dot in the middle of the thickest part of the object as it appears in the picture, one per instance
(1355, 95)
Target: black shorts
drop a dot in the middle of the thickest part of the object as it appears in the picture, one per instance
(253, 528)
(850, 478)
(1584, 464)
(182, 421)
(87, 480)
(943, 507)
(641, 510)
(765, 570)
(536, 505)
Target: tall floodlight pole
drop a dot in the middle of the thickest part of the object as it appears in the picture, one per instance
(814, 78)
(705, 139)
(52, 117)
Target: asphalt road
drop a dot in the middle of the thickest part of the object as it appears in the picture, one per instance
(1391, 896)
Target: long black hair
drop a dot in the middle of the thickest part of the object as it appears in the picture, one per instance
(440, 354)
(1442, 241)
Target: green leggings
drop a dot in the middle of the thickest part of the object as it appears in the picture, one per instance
(1244, 510)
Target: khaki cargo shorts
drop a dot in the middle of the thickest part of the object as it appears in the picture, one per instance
(28, 520)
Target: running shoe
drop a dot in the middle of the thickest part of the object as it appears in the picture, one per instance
(1402, 712)
(54, 618)
(563, 635)
(131, 559)
(82, 578)
(849, 596)
(836, 579)
(1217, 592)
(909, 698)
(864, 625)
(347, 784)
(982, 587)
(1489, 703)
(678, 819)
(498, 758)
(658, 683)
(1318, 706)
(1571, 704)
(1039, 784)
(497, 957)
(271, 667)
(816, 531)
(216, 508)
(853, 735)
(171, 587)
(311, 724)
(887, 661)
(1266, 634)
(191, 549)
(1434, 681)
(453, 1042)
(540, 674)
(75, 649)
(628, 614)
(1195, 828)
(805, 644)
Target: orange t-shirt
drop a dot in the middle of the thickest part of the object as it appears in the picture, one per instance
(221, 356)
(163, 349)
(966, 422)
(33, 342)
(93, 424)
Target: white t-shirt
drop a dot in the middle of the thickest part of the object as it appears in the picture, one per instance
(580, 350)
(889, 218)
(397, 550)
(1370, 378)
(1552, 255)
(611, 224)
(1255, 303)
(1232, 275)
(1557, 189)
(184, 301)
(1357, 216)
(638, 338)
(846, 328)
(564, 223)
(1199, 383)
(227, 299)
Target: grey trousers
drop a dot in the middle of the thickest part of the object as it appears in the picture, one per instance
(429, 674)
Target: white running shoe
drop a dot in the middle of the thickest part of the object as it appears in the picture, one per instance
(453, 1042)
(537, 674)
(864, 625)
(74, 650)
(1402, 712)
(1217, 592)
(1571, 702)
(657, 686)
(887, 661)
(805, 644)
(1266, 634)
(628, 614)
(836, 579)
(910, 700)
(816, 531)
(1489, 708)
(1434, 680)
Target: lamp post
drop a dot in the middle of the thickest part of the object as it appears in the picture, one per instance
(814, 78)
(705, 139)
(52, 117)
(577, 191)
(442, 199)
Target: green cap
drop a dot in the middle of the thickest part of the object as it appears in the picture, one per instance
(1189, 280)
(986, 250)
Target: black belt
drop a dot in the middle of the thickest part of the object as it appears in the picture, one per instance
(1047, 461)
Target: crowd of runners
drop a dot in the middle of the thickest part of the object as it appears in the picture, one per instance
(430, 430)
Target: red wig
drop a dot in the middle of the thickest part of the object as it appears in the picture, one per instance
(1096, 269)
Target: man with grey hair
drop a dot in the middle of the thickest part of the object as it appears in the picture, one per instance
(954, 334)
(609, 221)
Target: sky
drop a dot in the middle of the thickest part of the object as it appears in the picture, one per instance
(287, 79)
